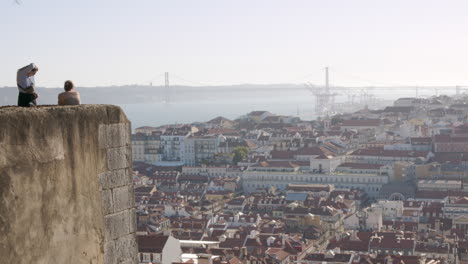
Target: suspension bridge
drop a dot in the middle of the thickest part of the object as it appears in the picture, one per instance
(325, 94)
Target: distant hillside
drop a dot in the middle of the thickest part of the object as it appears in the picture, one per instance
(151, 94)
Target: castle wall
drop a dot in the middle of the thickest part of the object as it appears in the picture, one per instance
(66, 191)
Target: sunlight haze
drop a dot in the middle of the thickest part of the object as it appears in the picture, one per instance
(204, 42)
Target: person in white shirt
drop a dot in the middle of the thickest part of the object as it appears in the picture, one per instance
(26, 84)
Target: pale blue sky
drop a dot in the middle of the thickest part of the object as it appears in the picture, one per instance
(104, 42)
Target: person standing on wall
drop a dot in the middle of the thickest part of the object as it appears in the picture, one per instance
(25, 81)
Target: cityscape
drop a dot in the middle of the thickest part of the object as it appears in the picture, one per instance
(234, 132)
(371, 186)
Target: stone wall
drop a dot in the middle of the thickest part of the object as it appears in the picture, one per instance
(66, 191)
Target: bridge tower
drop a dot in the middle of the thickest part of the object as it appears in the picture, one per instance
(167, 91)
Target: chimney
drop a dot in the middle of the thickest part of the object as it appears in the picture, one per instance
(270, 241)
(354, 236)
(388, 260)
(244, 252)
(253, 234)
(422, 259)
(236, 217)
(284, 237)
(437, 225)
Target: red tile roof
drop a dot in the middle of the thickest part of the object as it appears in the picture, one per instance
(314, 151)
(218, 120)
(362, 166)
(421, 140)
(336, 258)
(438, 194)
(151, 243)
(364, 123)
(388, 242)
(398, 109)
(309, 187)
(389, 153)
(276, 154)
(275, 164)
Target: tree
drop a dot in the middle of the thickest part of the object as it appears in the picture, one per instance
(336, 120)
(239, 153)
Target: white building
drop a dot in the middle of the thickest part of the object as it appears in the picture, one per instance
(211, 171)
(147, 130)
(158, 249)
(146, 148)
(371, 218)
(360, 168)
(390, 209)
(173, 143)
(370, 183)
(456, 207)
(200, 148)
(325, 164)
(439, 185)
(174, 210)
(385, 156)
(358, 125)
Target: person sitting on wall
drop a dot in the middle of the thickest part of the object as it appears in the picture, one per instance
(70, 96)
(25, 82)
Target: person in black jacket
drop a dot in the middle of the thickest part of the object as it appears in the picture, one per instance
(25, 81)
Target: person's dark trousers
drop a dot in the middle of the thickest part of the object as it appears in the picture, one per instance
(26, 100)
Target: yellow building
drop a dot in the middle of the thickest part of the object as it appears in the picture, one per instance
(218, 195)
(423, 171)
(400, 170)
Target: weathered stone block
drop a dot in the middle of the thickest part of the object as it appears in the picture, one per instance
(130, 261)
(115, 115)
(54, 154)
(102, 135)
(132, 226)
(118, 158)
(110, 253)
(107, 204)
(118, 135)
(117, 225)
(114, 135)
(116, 178)
(122, 198)
(126, 248)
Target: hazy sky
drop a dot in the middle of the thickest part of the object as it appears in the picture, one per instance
(365, 42)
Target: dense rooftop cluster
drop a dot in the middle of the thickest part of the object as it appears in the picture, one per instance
(374, 186)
